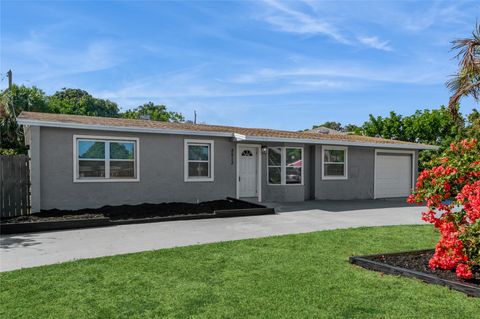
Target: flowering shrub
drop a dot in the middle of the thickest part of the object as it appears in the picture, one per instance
(451, 190)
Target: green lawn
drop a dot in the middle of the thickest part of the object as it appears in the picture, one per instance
(295, 276)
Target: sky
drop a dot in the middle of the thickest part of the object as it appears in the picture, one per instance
(276, 64)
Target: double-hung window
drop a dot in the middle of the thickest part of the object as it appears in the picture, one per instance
(285, 165)
(334, 162)
(198, 156)
(105, 159)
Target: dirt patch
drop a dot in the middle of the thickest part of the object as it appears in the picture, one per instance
(125, 212)
(419, 262)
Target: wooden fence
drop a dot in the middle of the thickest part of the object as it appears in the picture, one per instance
(14, 185)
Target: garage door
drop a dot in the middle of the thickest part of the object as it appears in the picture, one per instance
(393, 174)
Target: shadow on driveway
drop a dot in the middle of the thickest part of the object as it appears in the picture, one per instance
(20, 240)
(340, 205)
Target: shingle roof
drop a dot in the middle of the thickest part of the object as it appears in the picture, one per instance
(78, 121)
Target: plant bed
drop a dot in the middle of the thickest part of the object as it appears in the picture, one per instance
(129, 214)
(415, 264)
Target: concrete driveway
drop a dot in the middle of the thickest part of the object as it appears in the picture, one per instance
(36, 249)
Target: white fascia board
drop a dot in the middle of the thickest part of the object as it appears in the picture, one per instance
(339, 142)
(121, 128)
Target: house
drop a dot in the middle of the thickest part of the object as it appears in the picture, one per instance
(87, 162)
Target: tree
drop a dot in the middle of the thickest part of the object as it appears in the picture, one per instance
(80, 102)
(467, 80)
(154, 112)
(12, 102)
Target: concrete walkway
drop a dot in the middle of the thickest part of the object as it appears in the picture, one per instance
(35, 249)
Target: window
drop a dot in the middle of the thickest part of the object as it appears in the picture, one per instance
(334, 162)
(104, 159)
(285, 165)
(198, 161)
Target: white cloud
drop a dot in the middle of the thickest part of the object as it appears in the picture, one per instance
(375, 43)
(290, 20)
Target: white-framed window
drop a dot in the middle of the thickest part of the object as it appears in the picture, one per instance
(285, 166)
(198, 161)
(105, 159)
(334, 162)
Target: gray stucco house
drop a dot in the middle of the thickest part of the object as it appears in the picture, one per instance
(88, 162)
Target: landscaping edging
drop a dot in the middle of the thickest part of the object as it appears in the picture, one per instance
(367, 263)
(17, 228)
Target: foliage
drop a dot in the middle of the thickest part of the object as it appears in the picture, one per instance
(455, 175)
(154, 112)
(467, 80)
(10, 151)
(12, 103)
(80, 102)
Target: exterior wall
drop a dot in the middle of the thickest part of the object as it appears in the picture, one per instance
(360, 168)
(161, 172)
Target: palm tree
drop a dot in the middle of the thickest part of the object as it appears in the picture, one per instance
(467, 81)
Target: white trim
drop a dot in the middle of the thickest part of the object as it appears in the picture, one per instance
(107, 167)
(259, 169)
(345, 163)
(283, 166)
(412, 153)
(211, 159)
(251, 138)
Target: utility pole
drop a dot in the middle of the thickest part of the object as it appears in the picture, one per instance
(10, 80)
(194, 117)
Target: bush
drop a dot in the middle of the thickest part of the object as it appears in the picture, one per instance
(451, 190)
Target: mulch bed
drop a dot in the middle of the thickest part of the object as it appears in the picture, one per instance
(414, 264)
(128, 212)
(419, 262)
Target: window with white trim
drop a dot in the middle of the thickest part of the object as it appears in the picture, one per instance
(285, 165)
(198, 161)
(334, 161)
(105, 159)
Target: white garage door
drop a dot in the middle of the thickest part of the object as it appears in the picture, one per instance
(393, 174)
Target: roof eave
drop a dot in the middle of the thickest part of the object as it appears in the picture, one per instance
(236, 136)
(341, 142)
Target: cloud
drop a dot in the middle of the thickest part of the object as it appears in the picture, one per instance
(295, 21)
(375, 43)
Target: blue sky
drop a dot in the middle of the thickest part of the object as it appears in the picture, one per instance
(277, 64)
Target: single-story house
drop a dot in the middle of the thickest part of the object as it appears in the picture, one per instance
(88, 162)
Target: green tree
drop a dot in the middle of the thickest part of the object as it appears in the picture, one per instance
(80, 102)
(467, 80)
(155, 112)
(12, 102)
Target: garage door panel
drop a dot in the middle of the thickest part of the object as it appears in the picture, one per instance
(393, 175)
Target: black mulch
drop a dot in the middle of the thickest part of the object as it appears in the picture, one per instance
(133, 211)
(419, 262)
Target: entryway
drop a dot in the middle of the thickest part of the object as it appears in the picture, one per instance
(248, 171)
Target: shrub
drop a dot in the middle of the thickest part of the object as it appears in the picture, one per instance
(451, 190)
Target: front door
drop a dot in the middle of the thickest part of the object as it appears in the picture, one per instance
(247, 173)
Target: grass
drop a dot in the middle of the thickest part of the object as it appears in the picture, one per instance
(295, 276)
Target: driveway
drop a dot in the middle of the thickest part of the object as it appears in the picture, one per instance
(35, 249)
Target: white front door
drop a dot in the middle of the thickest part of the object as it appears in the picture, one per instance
(247, 171)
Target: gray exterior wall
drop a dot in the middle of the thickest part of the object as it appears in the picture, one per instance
(161, 172)
(359, 185)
